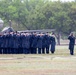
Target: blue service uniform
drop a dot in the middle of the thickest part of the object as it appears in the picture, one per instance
(47, 43)
(34, 39)
(71, 44)
(27, 44)
(23, 38)
(1, 44)
(10, 44)
(15, 43)
(20, 50)
(43, 44)
(53, 43)
(4, 44)
(39, 44)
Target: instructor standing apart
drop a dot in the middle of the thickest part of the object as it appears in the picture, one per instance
(71, 43)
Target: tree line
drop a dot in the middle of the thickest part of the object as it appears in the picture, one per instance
(39, 14)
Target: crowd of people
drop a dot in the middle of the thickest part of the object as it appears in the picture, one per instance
(27, 43)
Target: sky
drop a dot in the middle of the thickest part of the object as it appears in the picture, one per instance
(64, 0)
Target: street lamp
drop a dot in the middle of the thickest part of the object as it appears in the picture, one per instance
(1, 23)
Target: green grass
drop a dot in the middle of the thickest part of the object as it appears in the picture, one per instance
(60, 63)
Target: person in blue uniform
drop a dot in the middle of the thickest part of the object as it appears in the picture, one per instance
(39, 43)
(10, 43)
(4, 43)
(18, 43)
(20, 51)
(15, 43)
(71, 43)
(34, 39)
(0, 44)
(23, 38)
(53, 43)
(43, 43)
(47, 36)
(27, 43)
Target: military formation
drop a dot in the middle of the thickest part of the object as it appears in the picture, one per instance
(27, 43)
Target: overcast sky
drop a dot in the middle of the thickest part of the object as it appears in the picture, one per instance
(64, 0)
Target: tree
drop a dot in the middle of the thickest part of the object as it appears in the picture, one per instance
(39, 14)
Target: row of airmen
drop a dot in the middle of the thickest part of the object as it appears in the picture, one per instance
(27, 43)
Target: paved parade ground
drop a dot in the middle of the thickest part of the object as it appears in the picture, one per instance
(60, 63)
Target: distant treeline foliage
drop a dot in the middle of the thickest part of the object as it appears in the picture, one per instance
(39, 14)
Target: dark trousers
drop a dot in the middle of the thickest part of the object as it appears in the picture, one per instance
(0, 50)
(20, 50)
(33, 50)
(43, 50)
(25, 51)
(4, 50)
(72, 52)
(39, 50)
(47, 50)
(71, 48)
(9, 51)
(14, 51)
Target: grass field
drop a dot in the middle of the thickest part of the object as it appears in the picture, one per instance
(60, 63)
